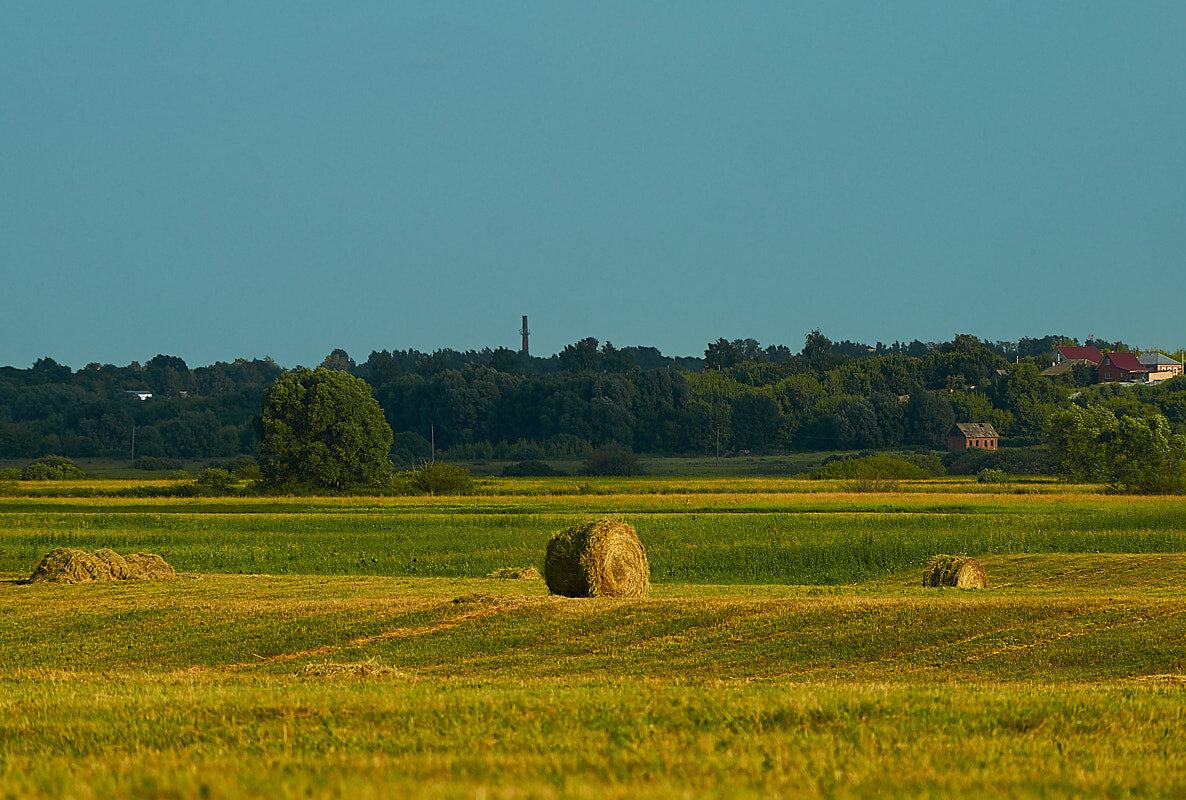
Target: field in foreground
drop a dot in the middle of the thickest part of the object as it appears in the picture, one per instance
(1066, 677)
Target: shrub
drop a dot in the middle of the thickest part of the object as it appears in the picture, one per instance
(530, 469)
(52, 468)
(215, 479)
(928, 461)
(153, 464)
(243, 468)
(613, 459)
(440, 478)
(10, 474)
(1011, 460)
(991, 475)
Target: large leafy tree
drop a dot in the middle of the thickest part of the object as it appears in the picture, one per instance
(322, 429)
(1138, 453)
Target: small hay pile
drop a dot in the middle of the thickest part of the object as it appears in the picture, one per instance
(517, 573)
(67, 565)
(958, 571)
(369, 668)
(597, 559)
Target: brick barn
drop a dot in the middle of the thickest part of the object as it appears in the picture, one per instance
(968, 435)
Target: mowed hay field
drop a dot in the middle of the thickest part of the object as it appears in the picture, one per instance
(353, 647)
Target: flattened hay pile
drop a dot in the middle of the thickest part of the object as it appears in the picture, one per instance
(960, 572)
(597, 559)
(517, 573)
(67, 565)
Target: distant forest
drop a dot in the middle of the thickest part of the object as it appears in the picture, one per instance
(740, 396)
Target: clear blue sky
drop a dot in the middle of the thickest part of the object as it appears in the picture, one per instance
(216, 179)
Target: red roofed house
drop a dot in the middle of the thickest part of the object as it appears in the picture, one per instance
(1068, 353)
(1122, 368)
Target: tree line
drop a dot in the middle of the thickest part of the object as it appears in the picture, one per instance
(739, 396)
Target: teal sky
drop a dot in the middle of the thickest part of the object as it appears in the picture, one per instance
(214, 180)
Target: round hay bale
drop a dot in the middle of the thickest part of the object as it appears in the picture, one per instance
(67, 565)
(960, 572)
(143, 566)
(597, 559)
(115, 563)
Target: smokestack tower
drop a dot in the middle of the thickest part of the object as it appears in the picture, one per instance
(525, 333)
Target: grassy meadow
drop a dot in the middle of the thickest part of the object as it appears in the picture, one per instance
(354, 647)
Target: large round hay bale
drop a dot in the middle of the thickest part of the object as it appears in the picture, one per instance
(67, 565)
(597, 559)
(958, 571)
(142, 566)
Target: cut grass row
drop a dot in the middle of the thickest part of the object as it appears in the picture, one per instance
(747, 538)
(1039, 618)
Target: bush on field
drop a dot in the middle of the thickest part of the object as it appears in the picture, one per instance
(52, 468)
(243, 468)
(1011, 460)
(613, 459)
(872, 468)
(991, 475)
(10, 474)
(928, 461)
(440, 478)
(215, 480)
(531, 468)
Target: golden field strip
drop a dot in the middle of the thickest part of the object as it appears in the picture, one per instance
(787, 649)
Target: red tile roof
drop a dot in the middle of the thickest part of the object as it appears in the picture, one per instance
(1091, 354)
(1127, 362)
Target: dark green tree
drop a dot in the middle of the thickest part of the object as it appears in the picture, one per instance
(322, 429)
(338, 359)
(582, 356)
(721, 354)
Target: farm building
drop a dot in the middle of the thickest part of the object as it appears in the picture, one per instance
(1122, 368)
(967, 435)
(1160, 362)
(1090, 355)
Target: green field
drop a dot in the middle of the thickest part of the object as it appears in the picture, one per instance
(353, 647)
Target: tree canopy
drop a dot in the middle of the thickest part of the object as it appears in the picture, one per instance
(1134, 452)
(322, 429)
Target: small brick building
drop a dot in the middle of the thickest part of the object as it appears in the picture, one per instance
(967, 435)
(1160, 362)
